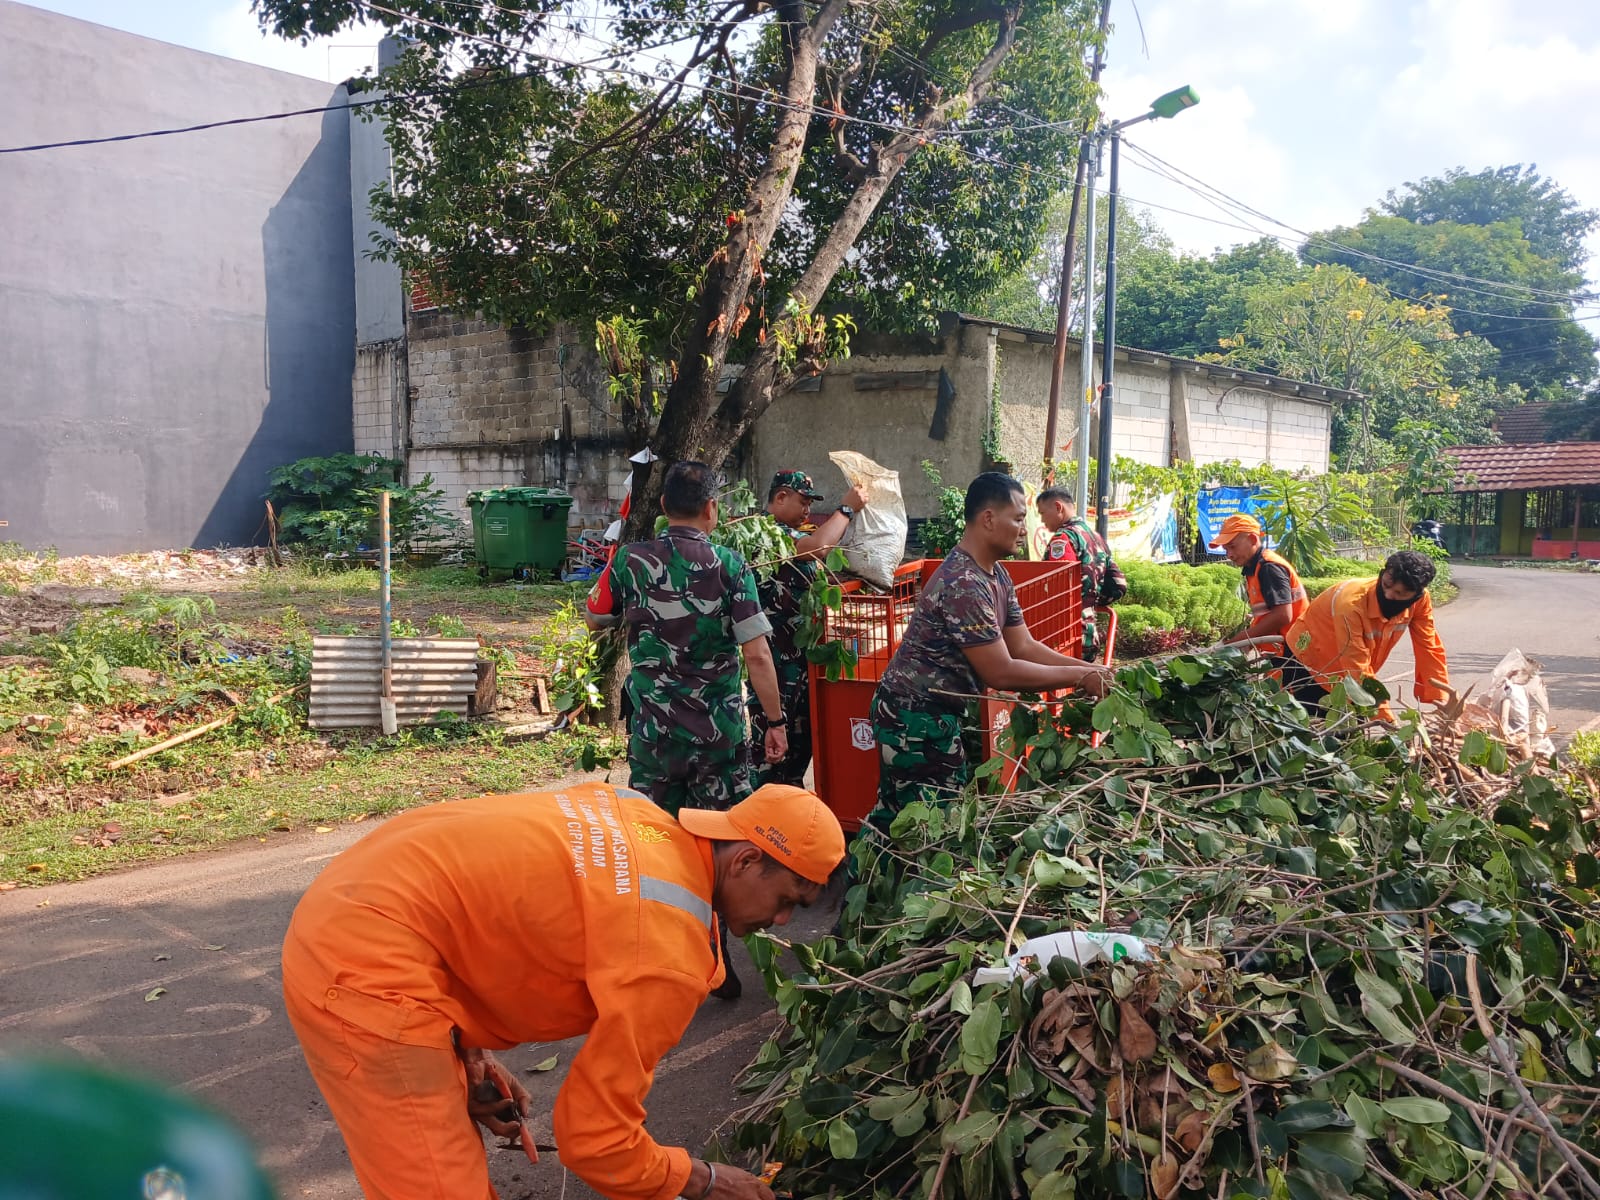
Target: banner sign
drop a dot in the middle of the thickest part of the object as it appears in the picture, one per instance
(1147, 531)
(1214, 505)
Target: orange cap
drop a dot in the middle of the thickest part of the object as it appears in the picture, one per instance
(789, 823)
(1233, 527)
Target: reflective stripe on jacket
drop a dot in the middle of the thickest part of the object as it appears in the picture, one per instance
(1259, 608)
(1343, 633)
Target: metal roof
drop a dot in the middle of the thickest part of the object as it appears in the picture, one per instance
(1524, 466)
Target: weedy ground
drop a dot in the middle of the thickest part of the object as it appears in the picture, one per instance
(102, 657)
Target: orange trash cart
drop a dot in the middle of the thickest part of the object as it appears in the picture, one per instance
(845, 753)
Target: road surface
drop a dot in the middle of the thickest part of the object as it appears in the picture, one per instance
(1552, 615)
(78, 960)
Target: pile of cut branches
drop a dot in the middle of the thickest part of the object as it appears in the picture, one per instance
(1356, 986)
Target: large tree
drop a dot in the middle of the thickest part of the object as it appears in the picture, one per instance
(889, 158)
(1191, 305)
(1502, 248)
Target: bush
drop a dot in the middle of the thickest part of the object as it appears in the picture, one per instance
(940, 534)
(331, 504)
(1200, 604)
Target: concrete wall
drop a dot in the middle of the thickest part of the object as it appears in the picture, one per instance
(1225, 421)
(178, 311)
(893, 425)
(491, 407)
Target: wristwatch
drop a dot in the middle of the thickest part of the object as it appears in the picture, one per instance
(778, 724)
(849, 513)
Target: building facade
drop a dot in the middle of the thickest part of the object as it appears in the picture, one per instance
(178, 311)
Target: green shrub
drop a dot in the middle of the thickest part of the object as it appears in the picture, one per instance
(940, 534)
(1202, 601)
(1585, 749)
(331, 504)
(1134, 620)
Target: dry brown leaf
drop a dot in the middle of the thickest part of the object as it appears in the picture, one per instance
(1191, 1128)
(1223, 1078)
(1164, 1177)
(1135, 1039)
(1196, 960)
(1084, 1041)
(1271, 1063)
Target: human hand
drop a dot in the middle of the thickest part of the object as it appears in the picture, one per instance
(776, 744)
(1095, 683)
(735, 1184)
(496, 1098)
(854, 498)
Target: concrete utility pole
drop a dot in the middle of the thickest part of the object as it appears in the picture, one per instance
(1086, 350)
(1069, 254)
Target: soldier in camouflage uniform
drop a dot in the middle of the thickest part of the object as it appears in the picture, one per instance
(1074, 540)
(789, 501)
(690, 608)
(966, 633)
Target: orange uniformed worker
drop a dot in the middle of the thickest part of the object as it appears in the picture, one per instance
(476, 925)
(1272, 587)
(1349, 630)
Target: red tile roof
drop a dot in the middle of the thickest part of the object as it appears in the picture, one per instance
(1524, 423)
(1523, 466)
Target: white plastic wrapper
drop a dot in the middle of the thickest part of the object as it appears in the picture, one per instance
(1517, 698)
(876, 540)
(1081, 946)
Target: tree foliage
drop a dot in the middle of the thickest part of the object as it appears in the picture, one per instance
(1335, 328)
(1503, 248)
(884, 158)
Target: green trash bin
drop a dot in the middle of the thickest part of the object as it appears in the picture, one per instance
(520, 529)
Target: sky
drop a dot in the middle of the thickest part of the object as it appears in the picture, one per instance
(1310, 110)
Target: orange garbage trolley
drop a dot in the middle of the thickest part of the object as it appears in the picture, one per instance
(845, 753)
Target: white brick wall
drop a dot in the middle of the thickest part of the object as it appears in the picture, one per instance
(378, 377)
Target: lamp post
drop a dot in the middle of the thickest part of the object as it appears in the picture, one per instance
(1166, 106)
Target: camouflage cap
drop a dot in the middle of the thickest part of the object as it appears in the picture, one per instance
(797, 481)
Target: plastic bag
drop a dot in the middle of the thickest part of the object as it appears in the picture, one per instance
(1081, 946)
(1516, 697)
(875, 542)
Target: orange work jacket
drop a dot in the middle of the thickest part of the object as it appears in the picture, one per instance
(527, 918)
(1343, 633)
(1259, 608)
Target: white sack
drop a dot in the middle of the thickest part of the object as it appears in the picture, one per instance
(875, 542)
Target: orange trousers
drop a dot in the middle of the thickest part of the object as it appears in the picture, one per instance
(402, 1109)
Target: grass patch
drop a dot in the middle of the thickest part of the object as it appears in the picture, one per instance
(366, 777)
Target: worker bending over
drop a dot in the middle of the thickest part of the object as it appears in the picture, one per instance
(1349, 630)
(965, 634)
(472, 926)
(1272, 587)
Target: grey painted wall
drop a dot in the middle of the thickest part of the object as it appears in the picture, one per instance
(380, 290)
(178, 312)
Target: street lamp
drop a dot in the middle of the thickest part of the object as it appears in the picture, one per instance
(1165, 106)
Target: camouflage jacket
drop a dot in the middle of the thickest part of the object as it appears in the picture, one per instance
(781, 595)
(1077, 541)
(688, 606)
(962, 605)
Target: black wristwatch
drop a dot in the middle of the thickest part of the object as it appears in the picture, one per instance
(778, 724)
(849, 513)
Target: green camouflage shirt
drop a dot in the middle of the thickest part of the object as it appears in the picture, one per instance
(689, 606)
(962, 605)
(781, 595)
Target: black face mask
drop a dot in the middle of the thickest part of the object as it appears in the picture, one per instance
(1393, 608)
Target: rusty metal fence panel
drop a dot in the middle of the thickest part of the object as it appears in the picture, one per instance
(431, 676)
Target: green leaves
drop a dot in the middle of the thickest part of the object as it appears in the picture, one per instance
(980, 1037)
(1416, 1110)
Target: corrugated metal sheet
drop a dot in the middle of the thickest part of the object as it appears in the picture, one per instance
(1526, 466)
(431, 676)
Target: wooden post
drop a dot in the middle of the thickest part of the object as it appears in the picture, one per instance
(1577, 518)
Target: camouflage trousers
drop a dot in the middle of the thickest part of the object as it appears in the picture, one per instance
(677, 774)
(794, 687)
(920, 757)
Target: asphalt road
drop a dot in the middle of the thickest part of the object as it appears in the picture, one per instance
(78, 960)
(1554, 616)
